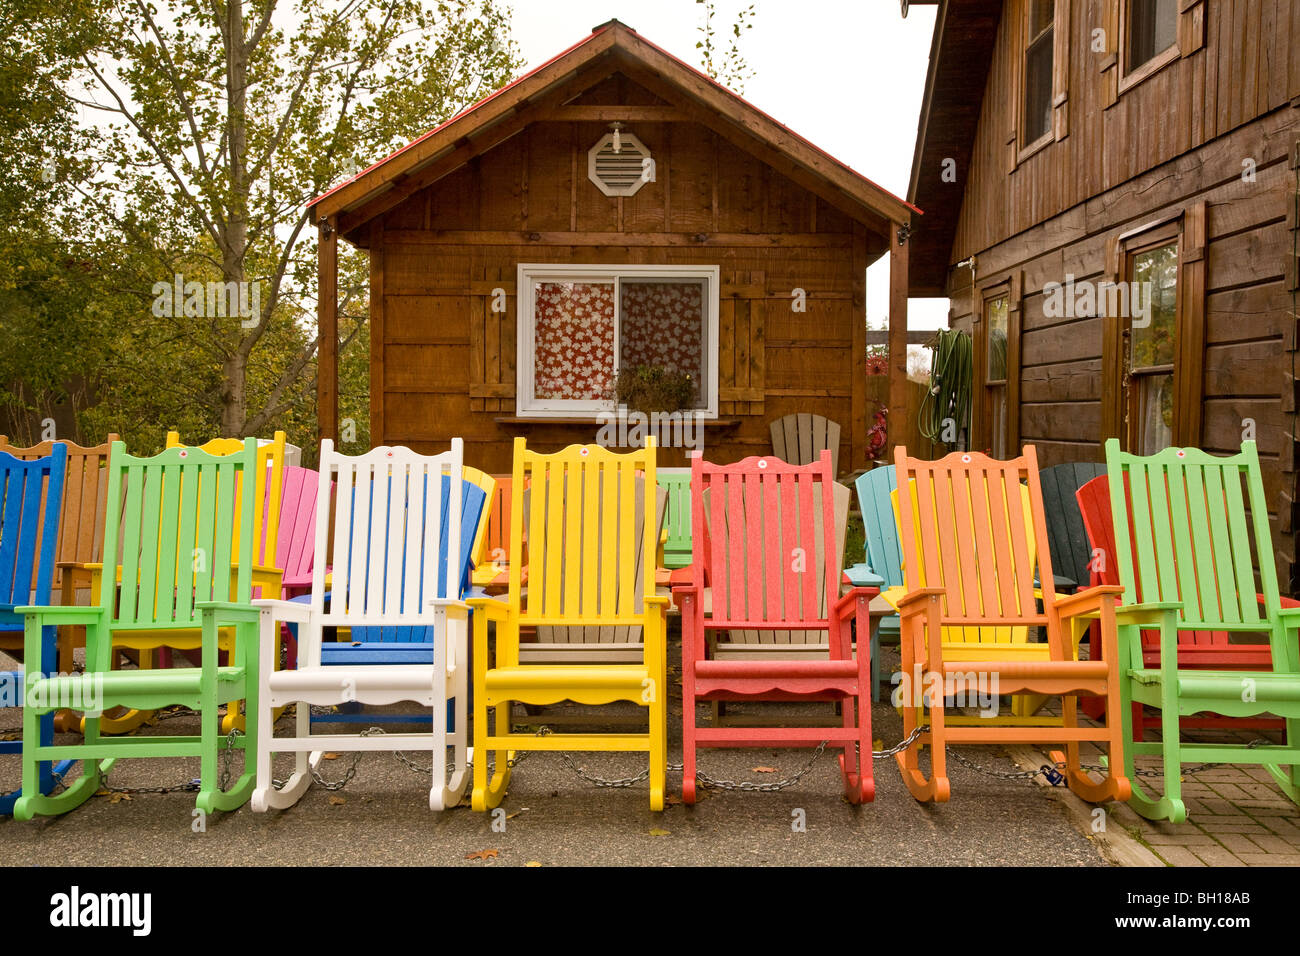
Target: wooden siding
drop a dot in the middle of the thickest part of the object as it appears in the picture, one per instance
(1171, 142)
(443, 361)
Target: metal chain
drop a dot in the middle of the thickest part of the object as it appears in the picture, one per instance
(715, 783)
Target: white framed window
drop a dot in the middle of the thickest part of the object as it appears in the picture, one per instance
(578, 325)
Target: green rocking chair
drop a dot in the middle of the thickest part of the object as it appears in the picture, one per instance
(173, 538)
(1193, 570)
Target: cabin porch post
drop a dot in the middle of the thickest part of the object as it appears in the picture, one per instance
(327, 323)
(899, 411)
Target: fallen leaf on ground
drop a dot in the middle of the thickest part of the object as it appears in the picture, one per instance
(330, 756)
(532, 863)
(511, 816)
(658, 832)
(764, 769)
(483, 855)
(118, 797)
(338, 801)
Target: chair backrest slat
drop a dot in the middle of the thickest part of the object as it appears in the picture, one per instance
(1181, 534)
(171, 536)
(395, 525)
(768, 540)
(296, 534)
(800, 438)
(1066, 536)
(268, 488)
(879, 525)
(79, 538)
(585, 509)
(31, 501)
(970, 526)
(676, 483)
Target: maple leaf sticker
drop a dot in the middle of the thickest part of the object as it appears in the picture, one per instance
(483, 855)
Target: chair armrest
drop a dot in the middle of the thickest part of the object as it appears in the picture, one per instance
(1146, 614)
(846, 605)
(663, 600)
(1092, 599)
(914, 601)
(1286, 601)
(229, 610)
(861, 576)
(446, 602)
(490, 608)
(298, 612)
(1290, 616)
(62, 615)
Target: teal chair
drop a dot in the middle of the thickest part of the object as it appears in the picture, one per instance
(883, 567)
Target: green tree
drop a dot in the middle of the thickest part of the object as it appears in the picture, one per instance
(726, 65)
(215, 122)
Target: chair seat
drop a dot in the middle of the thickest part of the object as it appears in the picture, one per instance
(1226, 685)
(376, 653)
(583, 683)
(363, 679)
(769, 669)
(111, 687)
(1074, 670)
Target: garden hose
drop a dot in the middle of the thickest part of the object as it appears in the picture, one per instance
(951, 377)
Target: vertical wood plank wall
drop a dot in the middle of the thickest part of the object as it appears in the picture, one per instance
(447, 362)
(1176, 139)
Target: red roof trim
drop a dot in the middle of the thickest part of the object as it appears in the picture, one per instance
(563, 53)
(469, 109)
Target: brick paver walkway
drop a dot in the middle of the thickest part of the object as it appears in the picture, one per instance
(1237, 816)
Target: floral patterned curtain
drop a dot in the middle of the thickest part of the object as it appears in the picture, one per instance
(574, 340)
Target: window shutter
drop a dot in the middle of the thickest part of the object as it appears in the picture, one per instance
(1109, 61)
(1191, 26)
(491, 342)
(742, 354)
(1112, 359)
(1191, 326)
(1015, 293)
(1061, 71)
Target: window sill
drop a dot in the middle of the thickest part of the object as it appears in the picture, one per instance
(1147, 70)
(519, 420)
(1039, 144)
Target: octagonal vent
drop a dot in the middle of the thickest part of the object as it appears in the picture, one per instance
(621, 173)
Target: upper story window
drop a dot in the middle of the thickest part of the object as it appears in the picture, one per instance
(1152, 28)
(579, 325)
(1039, 43)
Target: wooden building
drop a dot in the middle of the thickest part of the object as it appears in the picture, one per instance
(1065, 145)
(614, 206)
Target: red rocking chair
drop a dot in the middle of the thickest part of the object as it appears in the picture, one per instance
(765, 546)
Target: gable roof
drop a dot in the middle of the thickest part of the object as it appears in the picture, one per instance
(611, 47)
(960, 51)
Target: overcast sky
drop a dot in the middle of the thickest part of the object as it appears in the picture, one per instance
(846, 74)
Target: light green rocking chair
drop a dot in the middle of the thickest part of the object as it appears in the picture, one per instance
(1193, 571)
(173, 538)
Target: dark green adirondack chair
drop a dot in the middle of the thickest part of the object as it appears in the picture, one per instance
(172, 536)
(1066, 537)
(1193, 570)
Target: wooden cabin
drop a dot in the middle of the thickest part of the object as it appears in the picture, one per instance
(612, 207)
(1067, 144)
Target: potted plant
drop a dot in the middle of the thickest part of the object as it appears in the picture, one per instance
(653, 388)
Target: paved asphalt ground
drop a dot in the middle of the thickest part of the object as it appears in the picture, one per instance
(555, 818)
